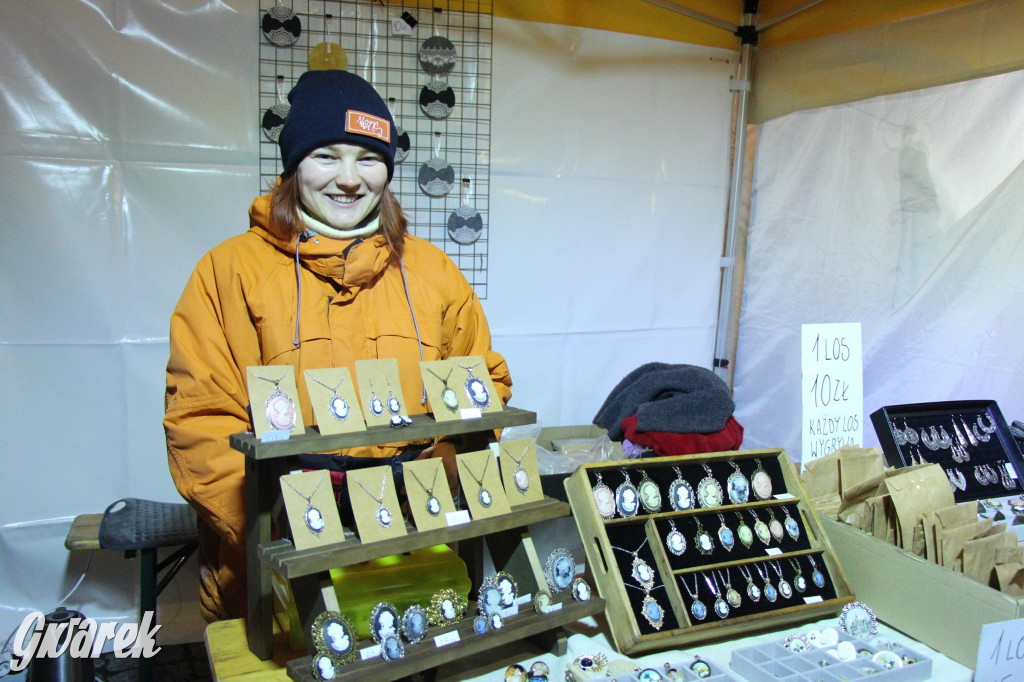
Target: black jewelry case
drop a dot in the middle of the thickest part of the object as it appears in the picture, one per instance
(970, 439)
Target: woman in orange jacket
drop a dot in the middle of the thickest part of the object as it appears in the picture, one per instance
(327, 274)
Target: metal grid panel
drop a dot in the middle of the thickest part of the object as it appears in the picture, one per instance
(391, 62)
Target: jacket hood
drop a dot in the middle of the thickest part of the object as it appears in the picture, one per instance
(352, 262)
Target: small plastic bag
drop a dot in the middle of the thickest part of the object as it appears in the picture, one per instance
(566, 461)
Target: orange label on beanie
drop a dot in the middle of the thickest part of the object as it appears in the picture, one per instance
(367, 124)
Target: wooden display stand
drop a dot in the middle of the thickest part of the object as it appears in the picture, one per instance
(507, 538)
(645, 533)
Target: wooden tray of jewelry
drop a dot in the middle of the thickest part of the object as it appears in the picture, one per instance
(703, 547)
(968, 438)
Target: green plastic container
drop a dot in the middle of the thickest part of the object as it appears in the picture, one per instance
(401, 579)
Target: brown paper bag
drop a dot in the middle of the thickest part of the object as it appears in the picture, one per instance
(913, 492)
(820, 479)
(952, 542)
(928, 521)
(879, 511)
(1010, 555)
(947, 518)
(917, 545)
(980, 554)
(1010, 578)
(860, 471)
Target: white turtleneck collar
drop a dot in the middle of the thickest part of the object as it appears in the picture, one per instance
(326, 230)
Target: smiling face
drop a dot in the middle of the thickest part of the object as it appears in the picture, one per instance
(341, 184)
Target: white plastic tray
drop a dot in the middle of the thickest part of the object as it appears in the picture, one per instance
(771, 661)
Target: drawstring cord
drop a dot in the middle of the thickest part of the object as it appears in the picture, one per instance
(301, 237)
(415, 325)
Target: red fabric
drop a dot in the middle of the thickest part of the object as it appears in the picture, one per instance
(668, 444)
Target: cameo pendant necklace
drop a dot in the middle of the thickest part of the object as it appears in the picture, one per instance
(737, 486)
(641, 570)
(383, 514)
(279, 408)
(476, 389)
(697, 607)
(709, 491)
(520, 477)
(627, 497)
(753, 591)
(484, 495)
(604, 498)
(731, 595)
(336, 405)
(448, 397)
(680, 492)
(433, 504)
(817, 577)
(761, 482)
(720, 606)
(675, 541)
(650, 494)
(650, 609)
(313, 517)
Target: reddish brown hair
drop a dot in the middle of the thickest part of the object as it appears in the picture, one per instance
(285, 206)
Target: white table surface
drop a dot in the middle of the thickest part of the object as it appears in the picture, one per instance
(590, 637)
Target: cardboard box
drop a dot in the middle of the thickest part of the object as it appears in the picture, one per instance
(571, 440)
(574, 438)
(930, 603)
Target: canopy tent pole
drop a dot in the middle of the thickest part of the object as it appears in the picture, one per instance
(733, 259)
(732, 271)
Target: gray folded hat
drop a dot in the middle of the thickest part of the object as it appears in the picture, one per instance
(670, 398)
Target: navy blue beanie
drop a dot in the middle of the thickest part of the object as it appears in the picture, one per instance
(331, 107)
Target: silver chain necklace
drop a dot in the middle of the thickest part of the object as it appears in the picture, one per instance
(312, 516)
(383, 514)
(336, 405)
(484, 495)
(433, 504)
(520, 477)
(448, 396)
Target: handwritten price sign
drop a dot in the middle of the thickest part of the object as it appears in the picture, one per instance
(832, 388)
(1001, 652)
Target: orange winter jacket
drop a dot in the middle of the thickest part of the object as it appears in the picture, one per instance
(239, 308)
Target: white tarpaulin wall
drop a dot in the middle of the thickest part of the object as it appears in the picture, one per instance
(129, 133)
(904, 213)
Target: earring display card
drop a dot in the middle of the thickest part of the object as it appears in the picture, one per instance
(335, 401)
(375, 504)
(311, 509)
(518, 459)
(380, 391)
(446, 398)
(274, 399)
(426, 488)
(700, 547)
(473, 380)
(481, 484)
(968, 438)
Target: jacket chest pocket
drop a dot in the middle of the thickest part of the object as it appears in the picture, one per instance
(277, 333)
(395, 336)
